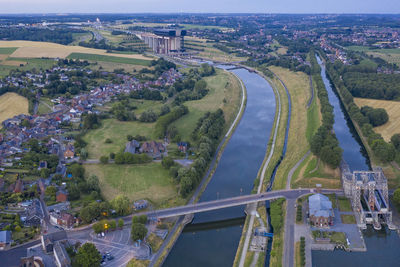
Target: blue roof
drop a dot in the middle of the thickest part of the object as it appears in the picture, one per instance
(5, 236)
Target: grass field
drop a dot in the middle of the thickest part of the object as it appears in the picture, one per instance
(391, 55)
(106, 58)
(29, 49)
(117, 132)
(393, 110)
(12, 104)
(7, 50)
(348, 219)
(299, 88)
(31, 63)
(150, 181)
(344, 204)
(221, 86)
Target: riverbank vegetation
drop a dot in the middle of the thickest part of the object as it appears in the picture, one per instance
(324, 143)
(277, 213)
(381, 152)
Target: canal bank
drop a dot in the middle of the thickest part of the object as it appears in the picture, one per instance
(381, 245)
(234, 175)
(159, 257)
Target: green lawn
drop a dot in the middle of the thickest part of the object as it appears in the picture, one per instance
(124, 60)
(7, 50)
(117, 132)
(348, 219)
(221, 86)
(332, 198)
(344, 204)
(150, 181)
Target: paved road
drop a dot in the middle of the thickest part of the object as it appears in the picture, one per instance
(288, 249)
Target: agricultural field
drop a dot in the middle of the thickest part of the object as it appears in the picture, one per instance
(299, 89)
(206, 50)
(114, 58)
(222, 86)
(390, 55)
(117, 132)
(30, 49)
(12, 104)
(150, 181)
(393, 110)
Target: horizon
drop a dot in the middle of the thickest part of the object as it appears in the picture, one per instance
(14, 7)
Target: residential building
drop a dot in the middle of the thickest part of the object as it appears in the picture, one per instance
(61, 255)
(132, 147)
(5, 239)
(320, 210)
(140, 204)
(61, 196)
(153, 149)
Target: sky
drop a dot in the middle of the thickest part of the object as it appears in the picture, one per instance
(200, 6)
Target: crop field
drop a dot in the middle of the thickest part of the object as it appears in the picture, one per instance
(12, 104)
(393, 110)
(29, 49)
(221, 86)
(150, 181)
(7, 50)
(114, 59)
(389, 55)
(299, 88)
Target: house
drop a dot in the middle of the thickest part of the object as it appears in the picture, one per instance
(132, 147)
(62, 219)
(47, 243)
(19, 186)
(153, 149)
(61, 196)
(5, 239)
(183, 146)
(34, 214)
(140, 204)
(320, 210)
(69, 152)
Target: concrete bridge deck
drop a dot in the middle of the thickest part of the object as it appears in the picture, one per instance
(231, 202)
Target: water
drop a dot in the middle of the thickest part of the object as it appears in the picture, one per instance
(382, 246)
(215, 244)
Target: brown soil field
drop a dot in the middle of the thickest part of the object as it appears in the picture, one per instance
(29, 49)
(12, 104)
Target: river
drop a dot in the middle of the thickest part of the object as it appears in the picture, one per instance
(382, 246)
(213, 237)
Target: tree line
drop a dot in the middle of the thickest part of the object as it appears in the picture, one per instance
(324, 143)
(366, 118)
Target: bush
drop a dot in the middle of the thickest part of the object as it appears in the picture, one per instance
(103, 159)
(108, 141)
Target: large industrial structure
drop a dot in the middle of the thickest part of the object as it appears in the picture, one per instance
(368, 191)
(165, 41)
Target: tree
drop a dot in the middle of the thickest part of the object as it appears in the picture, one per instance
(104, 159)
(139, 231)
(51, 192)
(140, 219)
(396, 141)
(120, 223)
(167, 162)
(88, 256)
(121, 205)
(76, 170)
(93, 183)
(396, 197)
(119, 158)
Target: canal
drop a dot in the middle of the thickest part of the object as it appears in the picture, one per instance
(214, 242)
(382, 246)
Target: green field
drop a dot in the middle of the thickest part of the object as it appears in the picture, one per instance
(30, 63)
(123, 60)
(344, 204)
(7, 50)
(150, 181)
(117, 132)
(348, 219)
(221, 86)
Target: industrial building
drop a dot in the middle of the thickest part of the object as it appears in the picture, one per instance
(165, 41)
(320, 210)
(368, 191)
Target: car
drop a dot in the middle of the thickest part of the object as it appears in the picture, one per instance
(109, 256)
(102, 234)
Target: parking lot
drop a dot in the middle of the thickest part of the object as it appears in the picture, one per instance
(120, 246)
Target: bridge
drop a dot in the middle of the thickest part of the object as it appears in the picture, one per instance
(231, 202)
